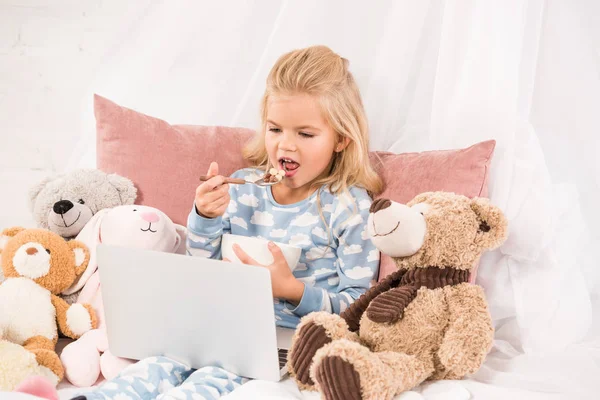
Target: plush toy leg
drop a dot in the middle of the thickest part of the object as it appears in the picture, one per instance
(111, 365)
(43, 349)
(348, 370)
(314, 331)
(81, 359)
(17, 365)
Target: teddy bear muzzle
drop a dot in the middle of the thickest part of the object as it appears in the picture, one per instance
(395, 228)
(32, 260)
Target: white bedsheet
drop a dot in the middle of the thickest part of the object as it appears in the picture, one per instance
(506, 374)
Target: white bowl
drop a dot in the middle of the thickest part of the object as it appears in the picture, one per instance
(258, 249)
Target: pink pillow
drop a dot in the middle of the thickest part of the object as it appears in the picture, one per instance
(164, 162)
(463, 171)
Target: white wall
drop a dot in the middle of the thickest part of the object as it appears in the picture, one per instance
(49, 53)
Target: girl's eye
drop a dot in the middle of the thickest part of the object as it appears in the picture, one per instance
(275, 130)
(306, 135)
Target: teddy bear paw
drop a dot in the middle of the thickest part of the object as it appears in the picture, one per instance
(49, 359)
(344, 369)
(314, 332)
(338, 379)
(80, 319)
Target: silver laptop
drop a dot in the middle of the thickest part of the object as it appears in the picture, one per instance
(197, 311)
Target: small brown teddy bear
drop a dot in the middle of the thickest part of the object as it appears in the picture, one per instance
(39, 264)
(422, 322)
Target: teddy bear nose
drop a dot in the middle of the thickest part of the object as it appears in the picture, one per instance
(62, 207)
(31, 251)
(150, 217)
(380, 204)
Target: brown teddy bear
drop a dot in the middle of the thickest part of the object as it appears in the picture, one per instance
(39, 264)
(422, 322)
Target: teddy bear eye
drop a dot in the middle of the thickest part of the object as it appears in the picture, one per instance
(80, 201)
(135, 209)
(421, 208)
(484, 227)
(48, 251)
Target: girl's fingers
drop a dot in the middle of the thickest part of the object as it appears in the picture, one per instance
(241, 254)
(210, 185)
(214, 197)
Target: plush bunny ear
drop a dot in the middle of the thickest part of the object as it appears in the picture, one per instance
(493, 224)
(90, 237)
(7, 234)
(126, 189)
(82, 255)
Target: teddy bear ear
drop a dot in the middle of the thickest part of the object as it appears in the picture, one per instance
(82, 255)
(420, 198)
(493, 224)
(7, 234)
(35, 190)
(126, 188)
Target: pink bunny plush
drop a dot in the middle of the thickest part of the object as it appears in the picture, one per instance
(129, 226)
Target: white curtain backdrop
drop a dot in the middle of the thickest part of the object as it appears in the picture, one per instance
(434, 75)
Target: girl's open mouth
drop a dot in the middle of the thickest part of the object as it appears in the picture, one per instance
(289, 166)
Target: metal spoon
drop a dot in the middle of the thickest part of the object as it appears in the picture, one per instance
(260, 182)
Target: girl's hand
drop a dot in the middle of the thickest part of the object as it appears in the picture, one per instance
(212, 196)
(283, 282)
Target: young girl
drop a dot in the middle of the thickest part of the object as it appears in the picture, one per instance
(314, 128)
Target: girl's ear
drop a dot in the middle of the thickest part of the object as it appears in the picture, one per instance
(343, 142)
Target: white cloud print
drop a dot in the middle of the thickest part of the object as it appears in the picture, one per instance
(305, 220)
(335, 280)
(309, 280)
(300, 239)
(319, 252)
(300, 267)
(320, 232)
(239, 222)
(359, 273)
(364, 204)
(364, 235)
(249, 200)
(328, 208)
(278, 233)
(262, 218)
(195, 238)
(286, 311)
(353, 249)
(290, 210)
(373, 256)
(355, 220)
(323, 271)
(232, 208)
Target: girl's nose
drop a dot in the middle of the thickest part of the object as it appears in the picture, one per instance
(287, 143)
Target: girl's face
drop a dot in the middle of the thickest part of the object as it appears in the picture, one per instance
(298, 139)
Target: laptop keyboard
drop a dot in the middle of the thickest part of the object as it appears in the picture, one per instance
(282, 357)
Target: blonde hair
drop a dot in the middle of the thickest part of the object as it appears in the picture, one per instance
(319, 72)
